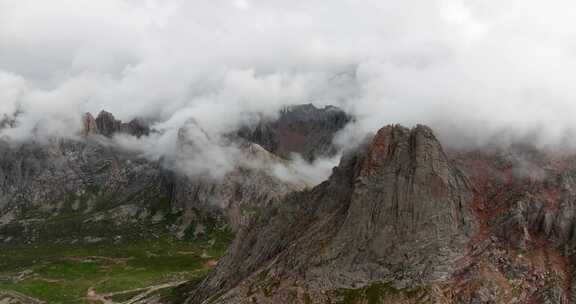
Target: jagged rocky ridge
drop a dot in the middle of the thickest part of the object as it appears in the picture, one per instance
(395, 211)
(524, 250)
(90, 190)
(107, 125)
(303, 129)
(401, 221)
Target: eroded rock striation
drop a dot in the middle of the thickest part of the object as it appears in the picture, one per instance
(107, 125)
(302, 129)
(89, 190)
(402, 221)
(393, 212)
(524, 250)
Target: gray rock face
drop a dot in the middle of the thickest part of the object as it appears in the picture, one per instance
(303, 129)
(402, 222)
(6, 121)
(89, 125)
(399, 220)
(103, 192)
(397, 211)
(107, 125)
(39, 182)
(239, 196)
(524, 251)
(97, 186)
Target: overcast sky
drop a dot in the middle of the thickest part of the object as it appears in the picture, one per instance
(474, 70)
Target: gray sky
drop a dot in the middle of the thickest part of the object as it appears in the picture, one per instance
(476, 71)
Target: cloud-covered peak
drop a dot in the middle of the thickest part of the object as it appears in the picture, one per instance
(476, 72)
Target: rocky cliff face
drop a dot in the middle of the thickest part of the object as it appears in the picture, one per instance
(524, 251)
(64, 180)
(395, 213)
(107, 125)
(88, 190)
(400, 221)
(303, 129)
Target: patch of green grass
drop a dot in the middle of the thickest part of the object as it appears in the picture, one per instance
(124, 296)
(60, 266)
(51, 292)
(70, 270)
(64, 273)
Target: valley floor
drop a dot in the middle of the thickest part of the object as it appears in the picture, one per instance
(110, 273)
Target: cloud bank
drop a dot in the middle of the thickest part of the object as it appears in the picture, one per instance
(476, 71)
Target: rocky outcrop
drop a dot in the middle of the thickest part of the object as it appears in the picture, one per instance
(67, 190)
(89, 126)
(245, 187)
(396, 212)
(524, 251)
(6, 121)
(82, 183)
(400, 221)
(303, 129)
(240, 194)
(107, 125)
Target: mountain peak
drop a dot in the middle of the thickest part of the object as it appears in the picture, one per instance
(303, 129)
(376, 219)
(107, 125)
(395, 142)
(89, 126)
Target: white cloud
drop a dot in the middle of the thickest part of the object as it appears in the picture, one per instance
(11, 88)
(473, 70)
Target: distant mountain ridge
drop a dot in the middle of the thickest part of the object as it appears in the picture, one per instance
(104, 192)
(400, 220)
(107, 125)
(302, 129)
